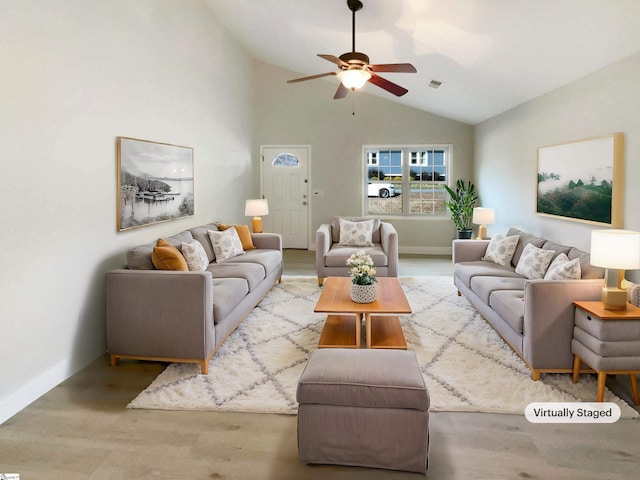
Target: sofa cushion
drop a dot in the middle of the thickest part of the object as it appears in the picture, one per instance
(500, 250)
(227, 295)
(253, 273)
(139, 258)
(338, 255)
(534, 262)
(587, 270)
(335, 228)
(556, 247)
(201, 234)
(167, 257)
(243, 233)
(509, 304)
(525, 239)
(465, 271)
(564, 269)
(268, 259)
(356, 234)
(485, 286)
(193, 252)
(226, 244)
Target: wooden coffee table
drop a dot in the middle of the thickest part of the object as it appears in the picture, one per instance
(343, 326)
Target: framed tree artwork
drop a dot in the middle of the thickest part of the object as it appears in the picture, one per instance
(583, 180)
(155, 182)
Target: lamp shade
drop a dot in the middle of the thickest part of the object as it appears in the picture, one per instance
(484, 216)
(354, 78)
(256, 207)
(615, 249)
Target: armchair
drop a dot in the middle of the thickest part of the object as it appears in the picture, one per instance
(331, 255)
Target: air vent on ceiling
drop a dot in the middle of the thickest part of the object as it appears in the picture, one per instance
(435, 83)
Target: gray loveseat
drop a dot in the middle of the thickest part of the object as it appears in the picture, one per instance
(535, 317)
(184, 316)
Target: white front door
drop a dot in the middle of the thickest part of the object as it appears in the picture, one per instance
(285, 185)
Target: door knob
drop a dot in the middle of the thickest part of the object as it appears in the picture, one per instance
(304, 203)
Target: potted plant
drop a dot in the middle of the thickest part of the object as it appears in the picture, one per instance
(460, 204)
(363, 277)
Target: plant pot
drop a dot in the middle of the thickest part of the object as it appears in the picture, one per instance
(465, 234)
(364, 293)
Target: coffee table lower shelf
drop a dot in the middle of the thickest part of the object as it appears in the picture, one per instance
(340, 332)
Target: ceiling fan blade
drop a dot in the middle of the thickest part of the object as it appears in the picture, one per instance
(341, 92)
(311, 77)
(394, 67)
(334, 59)
(385, 84)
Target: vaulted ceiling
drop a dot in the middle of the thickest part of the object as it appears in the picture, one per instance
(490, 55)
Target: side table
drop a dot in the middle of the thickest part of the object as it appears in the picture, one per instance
(608, 341)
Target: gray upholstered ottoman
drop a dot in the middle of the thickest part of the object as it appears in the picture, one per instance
(363, 407)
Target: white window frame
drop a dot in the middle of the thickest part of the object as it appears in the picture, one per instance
(407, 163)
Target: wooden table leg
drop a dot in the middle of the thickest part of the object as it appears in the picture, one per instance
(367, 325)
(634, 388)
(358, 329)
(576, 368)
(602, 378)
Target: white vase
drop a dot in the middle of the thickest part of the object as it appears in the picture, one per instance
(363, 293)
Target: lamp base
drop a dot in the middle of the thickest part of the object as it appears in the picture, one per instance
(614, 298)
(482, 232)
(256, 224)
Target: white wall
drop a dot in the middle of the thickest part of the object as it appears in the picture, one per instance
(604, 102)
(76, 75)
(305, 113)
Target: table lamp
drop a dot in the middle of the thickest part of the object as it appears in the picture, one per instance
(483, 216)
(616, 251)
(255, 208)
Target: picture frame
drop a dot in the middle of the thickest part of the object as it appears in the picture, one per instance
(155, 182)
(583, 180)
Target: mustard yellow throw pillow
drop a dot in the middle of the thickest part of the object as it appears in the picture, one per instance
(167, 257)
(243, 233)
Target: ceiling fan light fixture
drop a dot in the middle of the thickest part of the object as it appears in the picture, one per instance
(354, 78)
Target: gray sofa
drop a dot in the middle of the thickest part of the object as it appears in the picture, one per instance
(184, 316)
(535, 317)
(331, 256)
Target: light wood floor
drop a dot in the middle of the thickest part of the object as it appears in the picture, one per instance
(82, 430)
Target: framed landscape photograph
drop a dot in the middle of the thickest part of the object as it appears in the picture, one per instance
(155, 182)
(583, 180)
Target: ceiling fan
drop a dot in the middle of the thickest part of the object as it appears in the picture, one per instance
(355, 69)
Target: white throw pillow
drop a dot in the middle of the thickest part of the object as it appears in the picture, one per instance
(564, 269)
(501, 249)
(534, 262)
(356, 234)
(196, 257)
(226, 244)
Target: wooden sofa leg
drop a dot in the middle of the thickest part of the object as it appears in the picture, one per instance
(114, 361)
(204, 367)
(459, 294)
(535, 375)
(320, 281)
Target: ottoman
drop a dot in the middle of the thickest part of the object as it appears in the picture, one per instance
(363, 407)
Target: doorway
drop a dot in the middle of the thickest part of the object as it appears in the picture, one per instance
(284, 182)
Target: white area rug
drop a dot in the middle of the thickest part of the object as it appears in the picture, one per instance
(465, 363)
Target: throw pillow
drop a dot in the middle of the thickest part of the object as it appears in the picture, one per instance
(226, 244)
(196, 257)
(534, 262)
(564, 269)
(500, 250)
(167, 257)
(356, 234)
(243, 233)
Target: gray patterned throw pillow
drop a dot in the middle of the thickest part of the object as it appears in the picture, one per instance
(564, 269)
(356, 234)
(226, 244)
(534, 262)
(500, 250)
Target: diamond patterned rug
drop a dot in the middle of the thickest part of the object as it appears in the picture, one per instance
(465, 363)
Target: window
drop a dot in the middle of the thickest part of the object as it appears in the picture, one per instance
(406, 180)
(285, 160)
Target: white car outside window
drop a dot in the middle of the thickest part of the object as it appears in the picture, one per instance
(382, 190)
